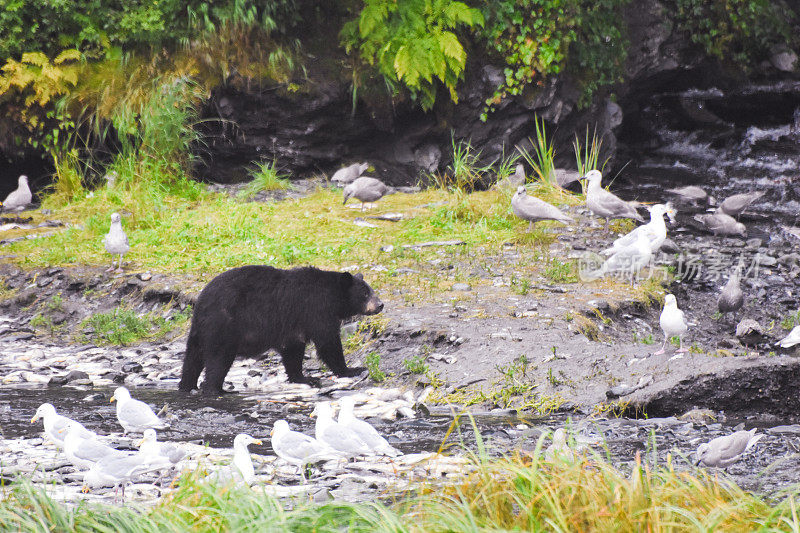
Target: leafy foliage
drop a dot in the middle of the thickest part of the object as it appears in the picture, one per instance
(738, 31)
(94, 26)
(413, 42)
(540, 38)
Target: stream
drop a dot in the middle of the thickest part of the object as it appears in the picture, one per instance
(731, 153)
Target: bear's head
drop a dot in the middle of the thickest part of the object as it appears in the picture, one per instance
(361, 299)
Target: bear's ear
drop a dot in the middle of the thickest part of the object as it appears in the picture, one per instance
(347, 279)
(359, 276)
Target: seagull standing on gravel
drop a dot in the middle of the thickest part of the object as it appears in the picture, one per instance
(343, 440)
(84, 452)
(533, 209)
(724, 451)
(298, 448)
(55, 425)
(792, 339)
(626, 261)
(18, 199)
(692, 193)
(152, 448)
(241, 468)
(366, 189)
(116, 241)
(135, 416)
(719, 223)
(363, 430)
(559, 445)
(116, 471)
(349, 174)
(736, 204)
(605, 204)
(673, 322)
(655, 230)
(731, 298)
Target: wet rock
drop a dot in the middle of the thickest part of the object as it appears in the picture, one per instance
(131, 367)
(783, 58)
(749, 332)
(43, 281)
(669, 247)
(25, 298)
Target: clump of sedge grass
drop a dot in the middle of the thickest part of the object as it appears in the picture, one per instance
(265, 178)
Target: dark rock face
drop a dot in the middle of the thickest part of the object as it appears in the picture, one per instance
(744, 391)
(316, 131)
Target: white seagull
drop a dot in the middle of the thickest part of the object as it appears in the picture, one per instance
(626, 261)
(726, 450)
(152, 448)
(84, 452)
(791, 339)
(241, 468)
(344, 441)
(673, 322)
(135, 416)
(363, 430)
(116, 241)
(298, 448)
(656, 230)
(18, 199)
(55, 425)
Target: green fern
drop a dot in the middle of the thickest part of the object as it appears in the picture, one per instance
(413, 43)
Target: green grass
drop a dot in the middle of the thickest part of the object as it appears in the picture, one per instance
(791, 320)
(265, 178)
(561, 272)
(124, 326)
(519, 492)
(372, 361)
(416, 365)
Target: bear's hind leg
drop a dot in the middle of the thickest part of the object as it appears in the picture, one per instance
(193, 363)
(216, 370)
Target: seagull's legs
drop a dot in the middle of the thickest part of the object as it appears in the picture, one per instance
(111, 268)
(663, 346)
(681, 349)
(362, 207)
(530, 226)
(119, 265)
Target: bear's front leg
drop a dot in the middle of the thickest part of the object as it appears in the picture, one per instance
(329, 351)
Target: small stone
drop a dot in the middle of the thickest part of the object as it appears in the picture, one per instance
(44, 282)
(783, 58)
(57, 381)
(387, 248)
(460, 287)
(145, 276)
(76, 375)
(753, 244)
(131, 367)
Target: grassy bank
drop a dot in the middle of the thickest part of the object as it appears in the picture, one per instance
(519, 493)
(206, 233)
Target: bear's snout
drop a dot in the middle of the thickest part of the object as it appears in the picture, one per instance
(374, 306)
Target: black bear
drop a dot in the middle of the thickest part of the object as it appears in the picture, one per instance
(251, 309)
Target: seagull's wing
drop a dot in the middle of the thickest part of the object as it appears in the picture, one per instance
(138, 414)
(340, 439)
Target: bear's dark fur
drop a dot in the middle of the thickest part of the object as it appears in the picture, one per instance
(251, 309)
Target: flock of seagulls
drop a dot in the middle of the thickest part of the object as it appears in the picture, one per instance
(102, 464)
(105, 466)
